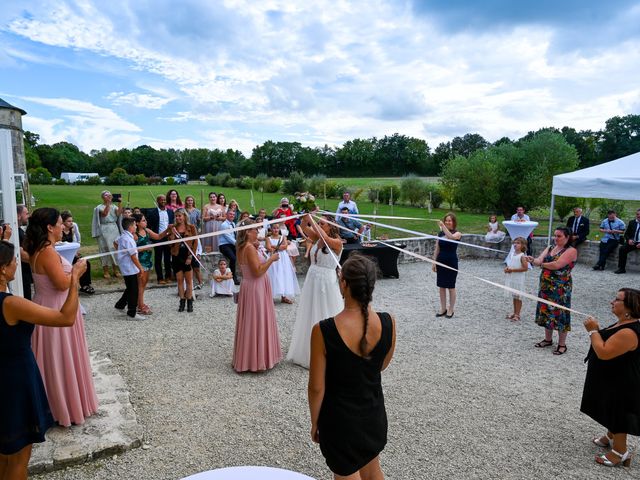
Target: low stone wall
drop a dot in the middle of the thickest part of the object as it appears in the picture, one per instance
(587, 253)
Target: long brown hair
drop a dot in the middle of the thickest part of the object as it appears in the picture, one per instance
(359, 274)
(333, 233)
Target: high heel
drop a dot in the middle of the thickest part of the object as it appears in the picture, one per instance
(189, 305)
(442, 314)
(181, 306)
(625, 459)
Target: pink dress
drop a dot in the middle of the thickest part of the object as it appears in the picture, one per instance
(63, 358)
(257, 342)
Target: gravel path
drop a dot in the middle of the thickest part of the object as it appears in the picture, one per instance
(467, 397)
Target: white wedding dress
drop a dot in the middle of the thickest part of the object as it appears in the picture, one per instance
(320, 299)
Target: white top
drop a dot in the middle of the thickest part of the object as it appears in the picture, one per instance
(126, 241)
(248, 473)
(163, 220)
(516, 218)
(351, 205)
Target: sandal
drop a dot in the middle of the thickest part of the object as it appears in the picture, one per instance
(544, 343)
(561, 350)
(286, 300)
(510, 317)
(598, 441)
(515, 318)
(145, 310)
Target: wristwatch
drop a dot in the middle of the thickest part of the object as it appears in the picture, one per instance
(591, 332)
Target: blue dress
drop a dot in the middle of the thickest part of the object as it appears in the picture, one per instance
(24, 410)
(447, 278)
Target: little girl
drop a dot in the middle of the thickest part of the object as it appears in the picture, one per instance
(144, 236)
(282, 274)
(222, 282)
(515, 274)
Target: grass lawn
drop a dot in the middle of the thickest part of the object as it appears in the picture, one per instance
(81, 200)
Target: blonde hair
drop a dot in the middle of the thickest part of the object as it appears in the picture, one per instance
(184, 213)
(241, 235)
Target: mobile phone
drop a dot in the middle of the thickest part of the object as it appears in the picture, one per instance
(116, 197)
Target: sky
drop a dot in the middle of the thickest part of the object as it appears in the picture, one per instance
(236, 73)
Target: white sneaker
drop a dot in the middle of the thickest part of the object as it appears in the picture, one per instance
(138, 317)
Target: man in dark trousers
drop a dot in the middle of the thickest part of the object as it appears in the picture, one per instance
(158, 219)
(579, 227)
(631, 243)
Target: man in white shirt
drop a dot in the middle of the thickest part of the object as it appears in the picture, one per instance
(348, 204)
(520, 216)
(129, 267)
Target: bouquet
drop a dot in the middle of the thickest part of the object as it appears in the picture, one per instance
(305, 202)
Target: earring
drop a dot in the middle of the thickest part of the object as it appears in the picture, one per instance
(626, 315)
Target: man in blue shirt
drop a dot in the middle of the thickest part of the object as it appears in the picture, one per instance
(612, 227)
(350, 236)
(227, 243)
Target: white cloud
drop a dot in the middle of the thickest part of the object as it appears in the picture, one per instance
(140, 100)
(328, 71)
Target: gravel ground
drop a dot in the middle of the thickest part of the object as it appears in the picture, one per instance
(467, 397)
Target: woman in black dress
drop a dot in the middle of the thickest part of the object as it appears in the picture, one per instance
(611, 393)
(348, 352)
(24, 410)
(445, 252)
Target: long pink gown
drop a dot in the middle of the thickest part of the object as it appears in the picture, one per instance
(63, 358)
(257, 342)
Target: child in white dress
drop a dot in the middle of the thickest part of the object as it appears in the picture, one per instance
(222, 281)
(494, 234)
(515, 275)
(282, 275)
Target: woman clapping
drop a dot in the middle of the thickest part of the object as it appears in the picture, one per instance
(611, 393)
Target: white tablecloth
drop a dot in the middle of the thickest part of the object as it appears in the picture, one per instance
(518, 229)
(67, 250)
(248, 473)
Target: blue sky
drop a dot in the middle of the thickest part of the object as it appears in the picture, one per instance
(235, 73)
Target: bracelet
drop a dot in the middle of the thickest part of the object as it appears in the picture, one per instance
(591, 332)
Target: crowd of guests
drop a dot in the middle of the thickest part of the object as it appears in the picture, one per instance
(49, 372)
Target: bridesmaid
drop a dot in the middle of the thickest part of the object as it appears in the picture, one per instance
(61, 353)
(24, 411)
(257, 342)
(211, 214)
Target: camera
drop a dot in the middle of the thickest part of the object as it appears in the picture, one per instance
(116, 197)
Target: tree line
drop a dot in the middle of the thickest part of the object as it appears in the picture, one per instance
(394, 155)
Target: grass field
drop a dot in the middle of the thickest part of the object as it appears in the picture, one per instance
(81, 200)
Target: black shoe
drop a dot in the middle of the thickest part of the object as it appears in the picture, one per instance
(441, 314)
(190, 305)
(181, 306)
(597, 267)
(236, 281)
(602, 267)
(620, 270)
(450, 316)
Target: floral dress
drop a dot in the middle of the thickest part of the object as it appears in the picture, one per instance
(555, 286)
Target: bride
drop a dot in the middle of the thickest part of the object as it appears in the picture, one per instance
(320, 296)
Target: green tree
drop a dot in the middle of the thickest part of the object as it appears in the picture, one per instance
(39, 176)
(620, 137)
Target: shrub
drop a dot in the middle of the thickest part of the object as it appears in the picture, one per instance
(272, 185)
(170, 181)
(383, 194)
(436, 194)
(60, 181)
(295, 183)
(617, 205)
(39, 176)
(118, 177)
(231, 182)
(355, 193)
(317, 185)
(93, 180)
(259, 181)
(337, 190)
(564, 206)
(154, 180)
(414, 190)
(210, 179)
(245, 183)
(139, 179)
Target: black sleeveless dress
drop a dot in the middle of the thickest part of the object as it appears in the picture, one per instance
(24, 409)
(352, 424)
(611, 393)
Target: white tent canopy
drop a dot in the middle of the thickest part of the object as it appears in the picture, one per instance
(618, 179)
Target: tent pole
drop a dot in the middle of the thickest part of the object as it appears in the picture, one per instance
(553, 204)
